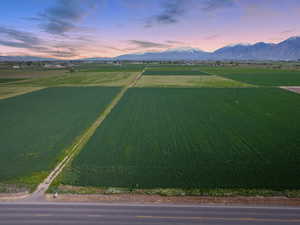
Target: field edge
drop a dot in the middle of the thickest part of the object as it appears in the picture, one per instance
(200, 192)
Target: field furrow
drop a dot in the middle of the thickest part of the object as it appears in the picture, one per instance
(37, 127)
(194, 138)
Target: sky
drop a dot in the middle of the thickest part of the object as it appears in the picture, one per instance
(71, 29)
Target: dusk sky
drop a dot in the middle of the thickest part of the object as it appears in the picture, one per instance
(103, 28)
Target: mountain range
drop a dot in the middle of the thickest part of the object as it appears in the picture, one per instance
(285, 50)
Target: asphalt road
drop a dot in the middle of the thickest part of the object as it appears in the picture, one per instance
(108, 214)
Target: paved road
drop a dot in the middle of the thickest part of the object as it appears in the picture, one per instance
(108, 214)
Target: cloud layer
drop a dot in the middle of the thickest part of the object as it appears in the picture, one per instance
(65, 15)
(25, 40)
(212, 5)
(174, 10)
(19, 39)
(90, 28)
(148, 44)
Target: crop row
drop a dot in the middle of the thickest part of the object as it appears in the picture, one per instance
(38, 126)
(195, 138)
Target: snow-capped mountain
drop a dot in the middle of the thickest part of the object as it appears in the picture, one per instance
(170, 54)
(285, 50)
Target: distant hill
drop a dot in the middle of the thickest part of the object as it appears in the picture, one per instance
(258, 51)
(23, 58)
(285, 50)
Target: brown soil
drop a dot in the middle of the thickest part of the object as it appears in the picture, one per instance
(13, 196)
(157, 199)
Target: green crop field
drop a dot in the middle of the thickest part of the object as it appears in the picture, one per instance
(38, 126)
(173, 67)
(174, 72)
(11, 91)
(4, 80)
(195, 138)
(188, 81)
(258, 76)
(82, 79)
(30, 73)
(95, 67)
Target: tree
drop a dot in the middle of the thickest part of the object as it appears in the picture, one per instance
(218, 63)
(71, 70)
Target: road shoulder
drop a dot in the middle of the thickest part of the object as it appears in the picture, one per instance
(178, 200)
